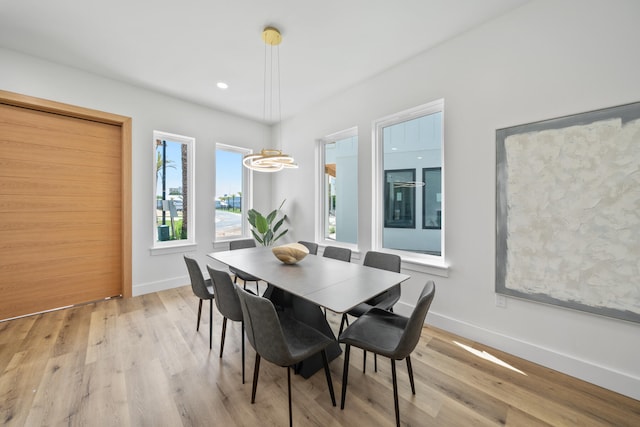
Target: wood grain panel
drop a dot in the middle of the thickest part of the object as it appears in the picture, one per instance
(61, 205)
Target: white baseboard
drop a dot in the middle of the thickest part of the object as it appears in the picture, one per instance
(162, 285)
(587, 371)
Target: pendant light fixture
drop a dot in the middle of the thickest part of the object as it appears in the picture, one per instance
(270, 159)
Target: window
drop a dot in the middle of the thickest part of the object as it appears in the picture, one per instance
(173, 201)
(408, 213)
(338, 188)
(233, 193)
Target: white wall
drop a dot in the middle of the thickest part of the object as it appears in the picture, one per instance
(544, 60)
(149, 111)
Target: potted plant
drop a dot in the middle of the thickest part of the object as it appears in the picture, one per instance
(261, 226)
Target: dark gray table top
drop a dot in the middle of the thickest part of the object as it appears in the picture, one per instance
(336, 285)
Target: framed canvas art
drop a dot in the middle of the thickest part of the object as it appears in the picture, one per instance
(568, 211)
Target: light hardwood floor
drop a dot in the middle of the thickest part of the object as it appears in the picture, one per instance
(140, 362)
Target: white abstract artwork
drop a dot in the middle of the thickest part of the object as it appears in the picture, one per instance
(568, 214)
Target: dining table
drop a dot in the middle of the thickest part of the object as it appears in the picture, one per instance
(300, 289)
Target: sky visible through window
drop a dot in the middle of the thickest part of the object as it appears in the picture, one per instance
(174, 166)
(228, 173)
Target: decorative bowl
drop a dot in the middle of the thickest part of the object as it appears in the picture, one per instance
(290, 253)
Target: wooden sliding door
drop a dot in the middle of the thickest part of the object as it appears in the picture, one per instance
(64, 205)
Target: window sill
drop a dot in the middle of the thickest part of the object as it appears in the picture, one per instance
(173, 248)
(428, 267)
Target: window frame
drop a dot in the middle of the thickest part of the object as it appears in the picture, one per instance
(321, 188)
(424, 199)
(427, 263)
(247, 191)
(169, 246)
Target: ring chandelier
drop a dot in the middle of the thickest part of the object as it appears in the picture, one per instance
(270, 159)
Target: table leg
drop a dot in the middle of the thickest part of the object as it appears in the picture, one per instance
(310, 314)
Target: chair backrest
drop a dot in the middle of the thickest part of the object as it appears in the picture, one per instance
(263, 328)
(241, 244)
(226, 298)
(198, 284)
(413, 329)
(335, 252)
(384, 261)
(313, 247)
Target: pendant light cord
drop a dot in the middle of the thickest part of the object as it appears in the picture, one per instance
(270, 159)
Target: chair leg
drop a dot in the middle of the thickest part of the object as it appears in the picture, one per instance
(256, 369)
(342, 322)
(395, 391)
(242, 338)
(199, 313)
(345, 375)
(289, 388)
(328, 374)
(410, 370)
(210, 322)
(364, 362)
(224, 332)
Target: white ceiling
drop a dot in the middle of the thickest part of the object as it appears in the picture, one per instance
(182, 48)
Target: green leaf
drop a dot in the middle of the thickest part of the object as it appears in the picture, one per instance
(261, 224)
(251, 217)
(255, 236)
(278, 225)
(272, 216)
(268, 237)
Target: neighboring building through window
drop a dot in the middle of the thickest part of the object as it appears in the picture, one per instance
(337, 219)
(400, 198)
(173, 204)
(408, 176)
(233, 193)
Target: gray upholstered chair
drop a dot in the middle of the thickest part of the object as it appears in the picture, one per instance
(335, 252)
(281, 340)
(388, 334)
(246, 277)
(228, 305)
(385, 301)
(313, 247)
(203, 290)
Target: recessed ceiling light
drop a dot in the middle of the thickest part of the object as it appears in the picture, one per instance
(222, 85)
(394, 149)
